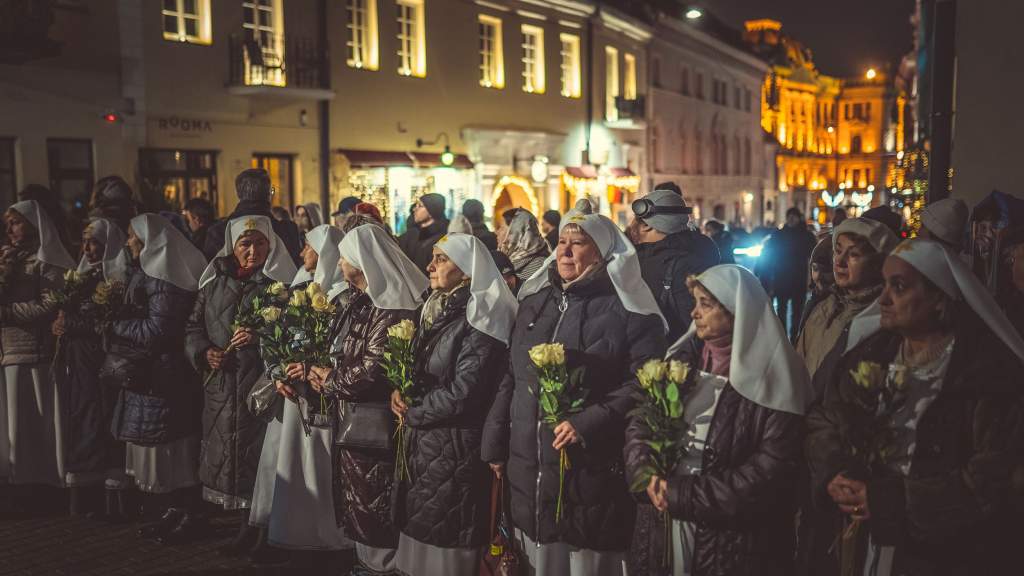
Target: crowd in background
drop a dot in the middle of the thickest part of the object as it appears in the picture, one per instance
(855, 404)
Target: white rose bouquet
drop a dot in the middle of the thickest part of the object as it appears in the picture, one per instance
(398, 361)
(252, 317)
(559, 398)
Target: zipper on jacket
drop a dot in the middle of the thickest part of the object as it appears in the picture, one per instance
(563, 305)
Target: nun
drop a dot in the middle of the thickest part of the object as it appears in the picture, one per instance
(32, 263)
(919, 446)
(384, 288)
(252, 258)
(307, 217)
(460, 353)
(295, 464)
(590, 297)
(94, 458)
(732, 497)
(524, 245)
(157, 410)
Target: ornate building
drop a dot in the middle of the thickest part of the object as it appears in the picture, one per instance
(837, 136)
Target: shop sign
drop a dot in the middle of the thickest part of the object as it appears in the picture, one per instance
(184, 125)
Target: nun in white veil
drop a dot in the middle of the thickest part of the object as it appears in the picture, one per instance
(32, 262)
(745, 410)
(294, 476)
(443, 503)
(919, 443)
(253, 257)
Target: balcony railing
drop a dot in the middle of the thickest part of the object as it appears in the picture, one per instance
(630, 109)
(277, 61)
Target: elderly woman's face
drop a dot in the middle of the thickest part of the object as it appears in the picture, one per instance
(444, 274)
(353, 275)
(252, 249)
(19, 230)
(309, 258)
(576, 252)
(134, 243)
(710, 318)
(852, 263)
(909, 304)
(92, 248)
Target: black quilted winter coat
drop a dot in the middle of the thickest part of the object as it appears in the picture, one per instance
(743, 501)
(446, 502)
(152, 322)
(232, 437)
(609, 343)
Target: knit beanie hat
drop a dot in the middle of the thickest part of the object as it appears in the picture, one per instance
(434, 203)
(946, 219)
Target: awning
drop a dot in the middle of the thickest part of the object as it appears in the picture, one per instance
(384, 159)
(587, 172)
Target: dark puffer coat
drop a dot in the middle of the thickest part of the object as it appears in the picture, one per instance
(152, 323)
(90, 448)
(666, 264)
(743, 501)
(446, 502)
(363, 478)
(609, 344)
(232, 437)
(957, 511)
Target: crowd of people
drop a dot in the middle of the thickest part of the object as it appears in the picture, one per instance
(854, 408)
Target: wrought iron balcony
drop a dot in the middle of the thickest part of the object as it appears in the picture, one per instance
(275, 65)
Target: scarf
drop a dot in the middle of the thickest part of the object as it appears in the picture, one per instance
(717, 355)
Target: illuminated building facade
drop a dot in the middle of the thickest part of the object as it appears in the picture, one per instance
(837, 136)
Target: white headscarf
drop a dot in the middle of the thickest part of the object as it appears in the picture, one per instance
(492, 307)
(947, 271)
(51, 251)
(621, 260)
(878, 235)
(324, 240)
(393, 282)
(279, 265)
(763, 367)
(166, 253)
(114, 263)
(313, 213)
(459, 224)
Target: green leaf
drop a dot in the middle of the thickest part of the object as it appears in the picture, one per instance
(672, 392)
(548, 402)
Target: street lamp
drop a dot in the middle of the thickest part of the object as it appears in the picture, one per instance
(870, 74)
(447, 157)
(694, 13)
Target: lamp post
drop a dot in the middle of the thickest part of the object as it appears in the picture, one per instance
(447, 157)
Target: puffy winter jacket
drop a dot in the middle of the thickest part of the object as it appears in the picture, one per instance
(666, 264)
(25, 319)
(363, 478)
(608, 344)
(418, 243)
(446, 502)
(743, 501)
(152, 323)
(232, 437)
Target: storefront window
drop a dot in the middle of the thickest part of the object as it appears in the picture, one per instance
(178, 175)
(71, 171)
(282, 177)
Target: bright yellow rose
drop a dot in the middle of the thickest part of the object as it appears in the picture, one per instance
(271, 313)
(868, 375)
(313, 289)
(404, 330)
(651, 372)
(677, 371)
(298, 299)
(321, 303)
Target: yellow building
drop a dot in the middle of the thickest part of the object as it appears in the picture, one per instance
(837, 136)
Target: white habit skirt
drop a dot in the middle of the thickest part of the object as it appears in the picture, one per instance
(293, 496)
(33, 435)
(561, 559)
(415, 558)
(165, 467)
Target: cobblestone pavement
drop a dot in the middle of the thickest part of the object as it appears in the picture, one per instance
(52, 542)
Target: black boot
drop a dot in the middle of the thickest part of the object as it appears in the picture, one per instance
(243, 541)
(189, 528)
(169, 520)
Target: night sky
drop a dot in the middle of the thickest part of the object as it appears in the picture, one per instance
(846, 36)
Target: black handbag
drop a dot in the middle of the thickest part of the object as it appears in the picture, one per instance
(125, 367)
(263, 398)
(365, 425)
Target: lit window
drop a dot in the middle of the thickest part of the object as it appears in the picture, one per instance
(187, 21)
(533, 59)
(629, 71)
(492, 57)
(571, 66)
(611, 83)
(412, 53)
(263, 21)
(362, 34)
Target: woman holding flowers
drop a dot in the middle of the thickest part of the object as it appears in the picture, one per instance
(287, 501)
(442, 501)
(222, 338)
(731, 493)
(384, 290)
(93, 456)
(571, 508)
(157, 412)
(919, 445)
(31, 265)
